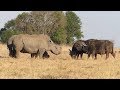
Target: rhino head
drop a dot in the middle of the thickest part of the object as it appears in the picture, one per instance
(54, 48)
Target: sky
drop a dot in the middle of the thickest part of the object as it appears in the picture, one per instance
(95, 24)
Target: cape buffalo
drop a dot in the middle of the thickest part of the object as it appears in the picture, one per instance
(26, 43)
(92, 47)
(99, 47)
(78, 48)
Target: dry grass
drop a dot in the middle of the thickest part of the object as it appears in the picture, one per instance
(58, 67)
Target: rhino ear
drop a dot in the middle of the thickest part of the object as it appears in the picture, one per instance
(50, 41)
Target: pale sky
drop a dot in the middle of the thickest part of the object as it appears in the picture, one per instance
(95, 24)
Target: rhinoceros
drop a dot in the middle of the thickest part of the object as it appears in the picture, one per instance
(26, 43)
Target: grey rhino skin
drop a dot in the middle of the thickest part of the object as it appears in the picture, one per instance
(26, 43)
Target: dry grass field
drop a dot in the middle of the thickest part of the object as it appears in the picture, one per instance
(58, 66)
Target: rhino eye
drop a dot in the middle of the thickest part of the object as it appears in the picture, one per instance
(49, 41)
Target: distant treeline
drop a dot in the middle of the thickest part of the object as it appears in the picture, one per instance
(62, 27)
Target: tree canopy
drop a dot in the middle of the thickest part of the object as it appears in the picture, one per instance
(73, 27)
(61, 27)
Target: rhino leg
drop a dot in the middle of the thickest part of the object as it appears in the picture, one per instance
(17, 52)
(95, 56)
(34, 55)
(45, 55)
(41, 52)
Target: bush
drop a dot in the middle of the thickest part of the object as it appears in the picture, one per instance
(5, 35)
(59, 36)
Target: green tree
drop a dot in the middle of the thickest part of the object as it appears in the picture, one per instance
(61, 27)
(23, 23)
(73, 27)
(47, 22)
(7, 34)
(59, 36)
(10, 24)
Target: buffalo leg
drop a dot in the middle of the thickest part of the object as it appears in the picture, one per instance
(107, 55)
(94, 54)
(77, 56)
(88, 55)
(81, 55)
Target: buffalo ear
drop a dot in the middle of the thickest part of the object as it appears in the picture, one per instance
(69, 50)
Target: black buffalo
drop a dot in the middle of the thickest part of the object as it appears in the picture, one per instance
(78, 48)
(100, 47)
(92, 47)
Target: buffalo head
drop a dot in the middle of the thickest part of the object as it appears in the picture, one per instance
(78, 48)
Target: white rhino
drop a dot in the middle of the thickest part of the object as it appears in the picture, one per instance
(26, 43)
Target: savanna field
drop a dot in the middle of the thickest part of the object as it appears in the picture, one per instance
(58, 66)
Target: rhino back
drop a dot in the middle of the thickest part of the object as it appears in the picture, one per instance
(34, 42)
